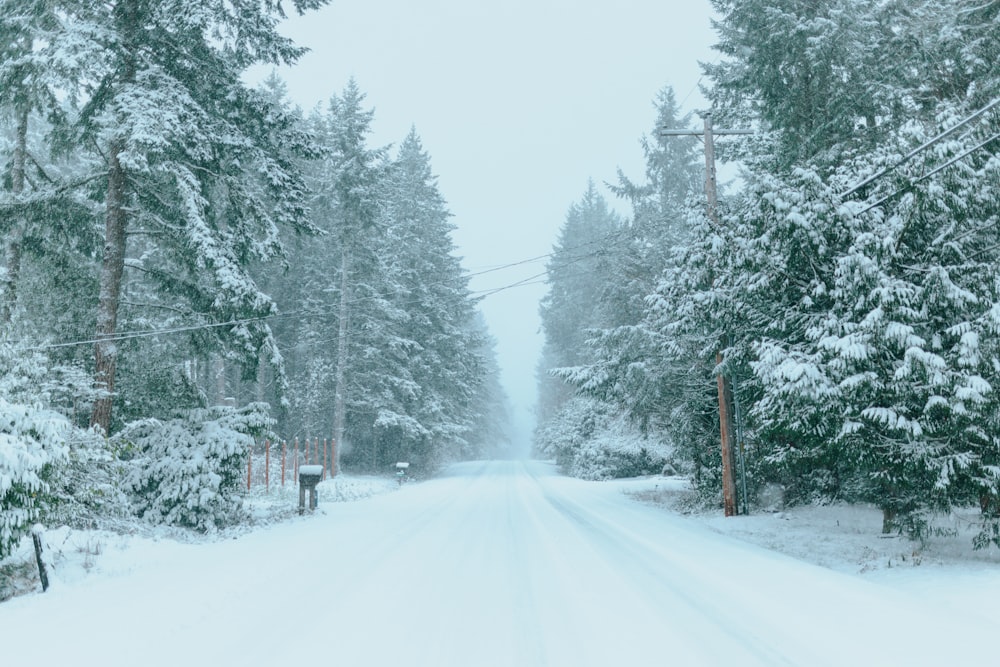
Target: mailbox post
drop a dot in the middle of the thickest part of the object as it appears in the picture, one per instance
(309, 477)
(401, 469)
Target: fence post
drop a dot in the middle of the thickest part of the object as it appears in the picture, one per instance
(267, 466)
(295, 462)
(324, 458)
(250, 467)
(284, 448)
(43, 575)
(333, 457)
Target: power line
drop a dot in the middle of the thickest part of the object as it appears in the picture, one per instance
(957, 158)
(479, 295)
(916, 151)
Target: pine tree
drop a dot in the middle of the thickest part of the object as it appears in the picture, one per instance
(866, 328)
(578, 272)
(352, 178)
(443, 349)
(626, 369)
(808, 75)
(197, 163)
(34, 75)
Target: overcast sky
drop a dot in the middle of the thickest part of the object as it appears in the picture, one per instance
(518, 103)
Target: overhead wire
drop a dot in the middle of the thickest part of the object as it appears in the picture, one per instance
(125, 336)
(909, 186)
(916, 151)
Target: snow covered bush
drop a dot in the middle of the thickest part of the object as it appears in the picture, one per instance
(87, 489)
(29, 377)
(587, 440)
(31, 440)
(84, 483)
(188, 471)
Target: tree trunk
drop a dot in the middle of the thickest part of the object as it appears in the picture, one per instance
(219, 376)
(13, 250)
(260, 386)
(338, 396)
(989, 504)
(116, 222)
(112, 269)
(888, 520)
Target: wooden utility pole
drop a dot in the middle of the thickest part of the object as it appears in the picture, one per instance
(726, 429)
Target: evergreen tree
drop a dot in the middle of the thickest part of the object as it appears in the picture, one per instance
(808, 75)
(35, 74)
(351, 180)
(197, 163)
(864, 328)
(629, 369)
(442, 350)
(490, 436)
(578, 273)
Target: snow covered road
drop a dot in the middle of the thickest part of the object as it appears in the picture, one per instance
(500, 563)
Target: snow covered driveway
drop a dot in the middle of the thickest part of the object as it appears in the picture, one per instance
(498, 563)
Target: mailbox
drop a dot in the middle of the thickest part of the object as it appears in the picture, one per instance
(309, 477)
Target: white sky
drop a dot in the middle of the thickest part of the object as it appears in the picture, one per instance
(518, 103)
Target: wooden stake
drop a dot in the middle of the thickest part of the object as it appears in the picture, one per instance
(267, 466)
(284, 449)
(43, 574)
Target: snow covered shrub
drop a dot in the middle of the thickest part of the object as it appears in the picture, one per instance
(84, 485)
(188, 471)
(31, 440)
(29, 377)
(87, 489)
(589, 441)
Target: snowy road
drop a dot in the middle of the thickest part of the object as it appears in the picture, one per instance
(495, 564)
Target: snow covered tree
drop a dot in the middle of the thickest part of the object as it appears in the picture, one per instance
(579, 271)
(866, 328)
(648, 246)
(31, 440)
(386, 354)
(346, 202)
(806, 74)
(36, 397)
(188, 471)
(36, 73)
(490, 435)
(198, 165)
(626, 368)
(437, 341)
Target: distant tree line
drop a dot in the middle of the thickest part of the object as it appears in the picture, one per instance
(858, 326)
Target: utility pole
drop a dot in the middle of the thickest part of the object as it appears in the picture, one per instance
(726, 429)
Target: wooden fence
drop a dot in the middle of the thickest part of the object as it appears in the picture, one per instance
(277, 463)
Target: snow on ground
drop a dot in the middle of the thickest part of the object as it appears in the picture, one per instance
(944, 569)
(78, 555)
(506, 563)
